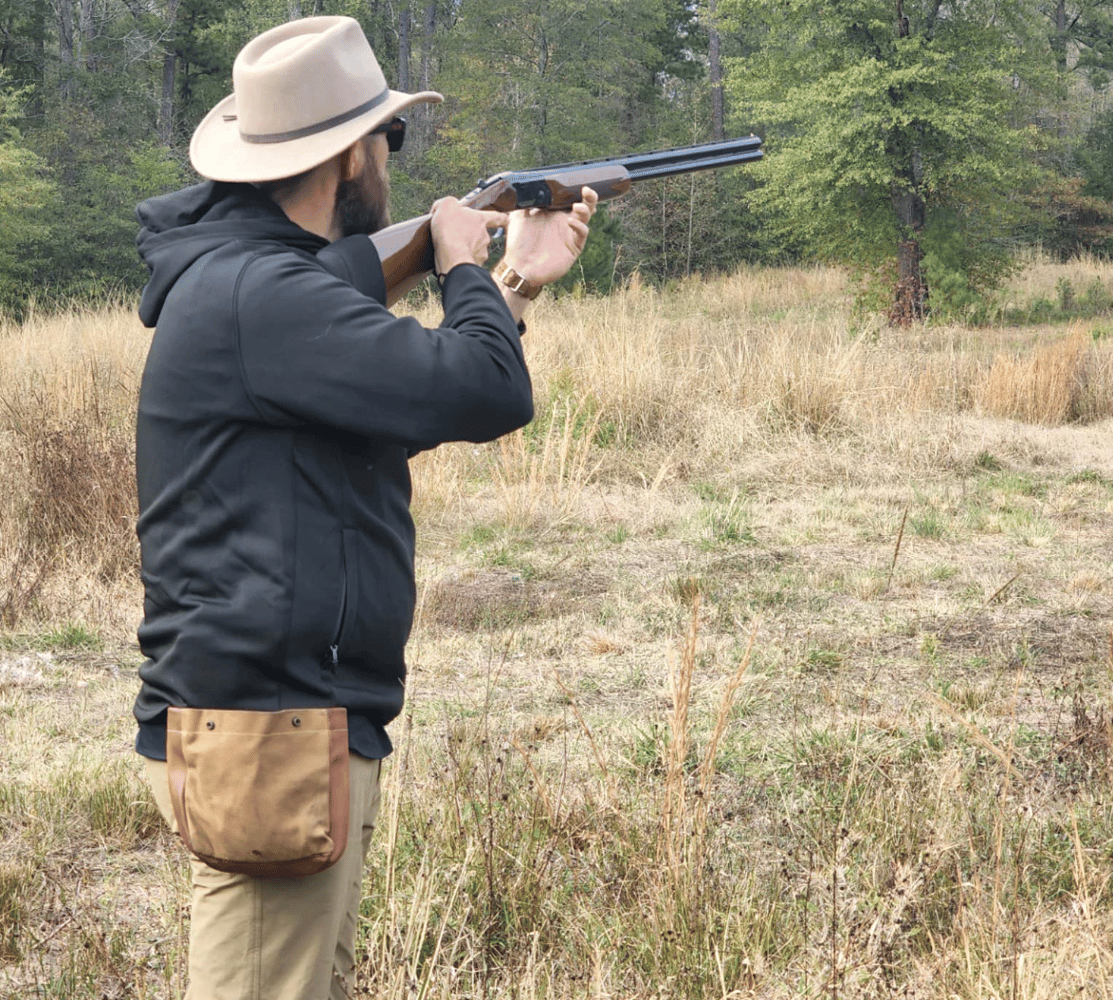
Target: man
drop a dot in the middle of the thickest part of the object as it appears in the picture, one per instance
(279, 406)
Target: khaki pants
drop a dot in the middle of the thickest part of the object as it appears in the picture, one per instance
(283, 938)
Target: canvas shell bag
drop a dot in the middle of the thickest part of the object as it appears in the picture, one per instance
(260, 793)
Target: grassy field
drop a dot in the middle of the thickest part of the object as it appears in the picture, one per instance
(773, 660)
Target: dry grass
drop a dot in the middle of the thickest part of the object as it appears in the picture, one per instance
(67, 397)
(772, 661)
(1063, 382)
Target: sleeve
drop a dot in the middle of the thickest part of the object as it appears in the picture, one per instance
(314, 349)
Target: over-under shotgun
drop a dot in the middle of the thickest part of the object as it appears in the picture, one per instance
(406, 249)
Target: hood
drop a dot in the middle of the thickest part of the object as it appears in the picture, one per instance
(180, 227)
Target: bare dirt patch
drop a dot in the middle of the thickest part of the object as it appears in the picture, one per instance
(483, 599)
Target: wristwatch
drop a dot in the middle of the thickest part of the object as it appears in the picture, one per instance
(515, 282)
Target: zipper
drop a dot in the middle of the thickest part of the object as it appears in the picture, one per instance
(334, 646)
(338, 631)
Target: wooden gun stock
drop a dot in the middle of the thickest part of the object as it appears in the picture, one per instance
(406, 249)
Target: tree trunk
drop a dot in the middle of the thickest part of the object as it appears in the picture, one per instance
(1060, 45)
(422, 114)
(378, 30)
(1059, 42)
(88, 35)
(166, 101)
(911, 292)
(715, 74)
(405, 57)
(39, 18)
(65, 46)
(428, 28)
(404, 50)
(169, 75)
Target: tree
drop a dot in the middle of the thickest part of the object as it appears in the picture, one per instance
(550, 80)
(1081, 37)
(715, 71)
(544, 81)
(23, 41)
(23, 192)
(895, 135)
(83, 246)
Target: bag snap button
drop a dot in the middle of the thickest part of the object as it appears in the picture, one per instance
(296, 721)
(210, 724)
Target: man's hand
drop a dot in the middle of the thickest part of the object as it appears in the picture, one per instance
(460, 235)
(541, 246)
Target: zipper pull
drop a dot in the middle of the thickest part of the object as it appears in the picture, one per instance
(335, 655)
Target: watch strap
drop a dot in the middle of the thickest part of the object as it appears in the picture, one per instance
(515, 282)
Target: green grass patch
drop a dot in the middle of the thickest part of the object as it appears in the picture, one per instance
(929, 524)
(17, 889)
(71, 637)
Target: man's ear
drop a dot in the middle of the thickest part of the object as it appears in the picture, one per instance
(353, 161)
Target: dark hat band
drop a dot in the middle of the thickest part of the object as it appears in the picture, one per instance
(324, 126)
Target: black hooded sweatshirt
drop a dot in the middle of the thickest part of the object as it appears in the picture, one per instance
(278, 409)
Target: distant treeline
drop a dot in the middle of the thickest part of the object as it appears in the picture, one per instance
(920, 141)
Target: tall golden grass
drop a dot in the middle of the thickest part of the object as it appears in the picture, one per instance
(768, 367)
(770, 371)
(68, 385)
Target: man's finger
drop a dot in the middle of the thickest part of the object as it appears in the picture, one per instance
(496, 220)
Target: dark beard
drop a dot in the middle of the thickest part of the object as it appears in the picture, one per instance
(363, 203)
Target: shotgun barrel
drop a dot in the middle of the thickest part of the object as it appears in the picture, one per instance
(660, 162)
(406, 249)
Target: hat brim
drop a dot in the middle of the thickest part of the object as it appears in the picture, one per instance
(219, 153)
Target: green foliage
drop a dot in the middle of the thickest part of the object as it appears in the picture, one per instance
(23, 192)
(961, 264)
(955, 114)
(928, 524)
(1081, 42)
(556, 78)
(74, 636)
(531, 84)
(204, 49)
(1095, 157)
(70, 637)
(729, 523)
(84, 246)
(15, 881)
(1069, 215)
(1093, 191)
(857, 117)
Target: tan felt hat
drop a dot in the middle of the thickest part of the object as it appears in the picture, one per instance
(302, 92)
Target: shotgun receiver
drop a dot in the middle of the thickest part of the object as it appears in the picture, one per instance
(406, 249)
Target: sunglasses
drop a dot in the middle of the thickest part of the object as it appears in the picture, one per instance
(395, 132)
